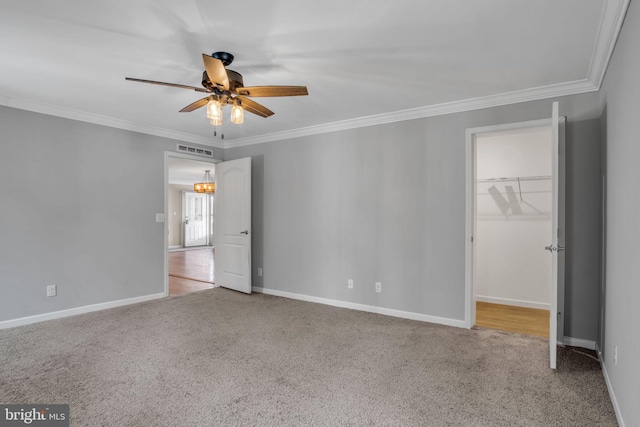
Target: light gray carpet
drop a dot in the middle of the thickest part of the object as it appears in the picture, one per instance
(218, 357)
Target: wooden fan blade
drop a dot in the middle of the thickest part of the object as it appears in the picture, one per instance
(272, 91)
(253, 107)
(195, 105)
(153, 82)
(216, 71)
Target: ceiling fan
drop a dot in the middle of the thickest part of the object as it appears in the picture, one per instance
(226, 86)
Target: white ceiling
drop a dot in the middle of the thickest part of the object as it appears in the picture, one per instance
(188, 172)
(363, 62)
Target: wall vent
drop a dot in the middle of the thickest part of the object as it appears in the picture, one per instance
(205, 152)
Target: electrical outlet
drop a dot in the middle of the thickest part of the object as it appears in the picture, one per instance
(379, 287)
(350, 283)
(52, 291)
(259, 271)
(615, 355)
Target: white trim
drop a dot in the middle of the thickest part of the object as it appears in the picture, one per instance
(180, 155)
(362, 307)
(610, 25)
(470, 308)
(192, 157)
(579, 342)
(515, 302)
(532, 94)
(83, 116)
(557, 90)
(496, 129)
(612, 394)
(77, 310)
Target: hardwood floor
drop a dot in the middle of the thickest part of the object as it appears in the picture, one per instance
(529, 321)
(182, 286)
(191, 271)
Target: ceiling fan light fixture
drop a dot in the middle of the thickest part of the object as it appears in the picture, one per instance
(206, 186)
(214, 112)
(225, 86)
(237, 114)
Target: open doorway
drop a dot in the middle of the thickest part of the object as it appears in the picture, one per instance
(512, 223)
(190, 227)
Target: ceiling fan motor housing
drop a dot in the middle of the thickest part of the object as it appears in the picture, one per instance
(235, 80)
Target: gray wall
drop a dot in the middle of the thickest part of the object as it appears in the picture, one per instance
(78, 210)
(387, 203)
(383, 203)
(621, 98)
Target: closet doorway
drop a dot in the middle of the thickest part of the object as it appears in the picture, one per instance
(512, 224)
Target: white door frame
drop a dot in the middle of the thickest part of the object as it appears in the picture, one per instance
(167, 155)
(470, 307)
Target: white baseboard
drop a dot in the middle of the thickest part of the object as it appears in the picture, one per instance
(77, 310)
(363, 307)
(612, 395)
(516, 302)
(579, 342)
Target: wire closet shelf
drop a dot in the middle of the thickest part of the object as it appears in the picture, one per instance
(519, 197)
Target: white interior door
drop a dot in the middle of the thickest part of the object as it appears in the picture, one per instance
(195, 220)
(233, 224)
(556, 309)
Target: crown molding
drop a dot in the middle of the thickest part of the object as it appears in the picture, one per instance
(563, 89)
(83, 116)
(613, 13)
(611, 22)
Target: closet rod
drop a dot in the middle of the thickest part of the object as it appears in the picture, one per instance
(516, 178)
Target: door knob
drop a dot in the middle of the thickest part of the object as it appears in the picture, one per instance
(554, 248)
(244, 232)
